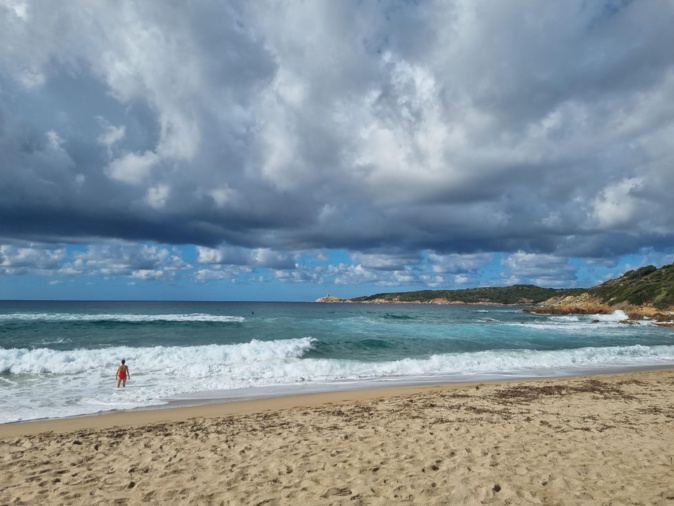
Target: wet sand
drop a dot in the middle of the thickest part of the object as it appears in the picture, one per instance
(589, 440)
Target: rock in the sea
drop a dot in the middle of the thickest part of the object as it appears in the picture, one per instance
(331, 298)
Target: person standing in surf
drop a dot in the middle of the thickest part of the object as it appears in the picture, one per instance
(123, 374)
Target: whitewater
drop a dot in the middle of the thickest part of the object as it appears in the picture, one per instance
(58, 359)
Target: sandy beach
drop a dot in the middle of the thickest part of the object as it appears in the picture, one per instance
(589, 440)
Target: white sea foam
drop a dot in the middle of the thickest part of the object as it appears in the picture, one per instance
(139, 318)
(580, 323)
(62, 383)
(190, 361)
(616, 316)
(564, 318)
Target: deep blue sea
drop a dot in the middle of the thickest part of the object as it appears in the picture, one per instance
(59, 359)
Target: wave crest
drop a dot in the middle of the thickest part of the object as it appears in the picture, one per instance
(193, 361)
(132, 318)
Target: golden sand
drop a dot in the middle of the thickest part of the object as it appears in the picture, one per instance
(590, 440)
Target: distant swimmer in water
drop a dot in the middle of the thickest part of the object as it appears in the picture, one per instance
(123, 374)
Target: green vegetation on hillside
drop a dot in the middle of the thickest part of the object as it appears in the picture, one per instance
(516, 295)
(645, 286)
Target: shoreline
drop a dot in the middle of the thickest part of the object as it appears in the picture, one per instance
(596, 439)
(208, 407)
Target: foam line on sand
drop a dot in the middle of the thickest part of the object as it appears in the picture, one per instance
(587, 440)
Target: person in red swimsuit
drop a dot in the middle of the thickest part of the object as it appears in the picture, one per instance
(122, 374)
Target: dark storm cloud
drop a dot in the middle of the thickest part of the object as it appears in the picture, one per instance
(452, 126)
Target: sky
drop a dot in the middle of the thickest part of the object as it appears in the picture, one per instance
(286, 150)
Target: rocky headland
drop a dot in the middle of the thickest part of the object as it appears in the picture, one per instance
(332, 299)
(644, 293)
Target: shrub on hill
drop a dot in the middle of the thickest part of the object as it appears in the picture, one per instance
(645, 286)
(514, 295)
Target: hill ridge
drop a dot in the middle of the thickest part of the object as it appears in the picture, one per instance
(644, 292)
(520, 294)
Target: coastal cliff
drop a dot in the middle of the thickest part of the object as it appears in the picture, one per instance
(647, 292)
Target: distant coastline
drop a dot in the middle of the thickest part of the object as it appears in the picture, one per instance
(329, 299)
(515, 295)
(644, 293)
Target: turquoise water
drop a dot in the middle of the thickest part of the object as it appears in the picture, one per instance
(59, 358)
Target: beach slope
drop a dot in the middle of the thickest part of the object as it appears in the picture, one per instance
(589, 440)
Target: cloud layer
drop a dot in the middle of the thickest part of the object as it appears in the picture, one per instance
(262, 130)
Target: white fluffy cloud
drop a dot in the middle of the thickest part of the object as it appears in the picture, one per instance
(543, 270)
(619, 204)
(136, 261)
(259, 257)
(29, 258)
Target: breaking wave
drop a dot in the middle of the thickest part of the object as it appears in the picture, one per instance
(134, 318)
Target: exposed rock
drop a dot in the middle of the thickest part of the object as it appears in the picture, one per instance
(569, 309)
(586, 303)
(331, 298)
(572, 304)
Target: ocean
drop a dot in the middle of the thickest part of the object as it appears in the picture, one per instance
(59, 359)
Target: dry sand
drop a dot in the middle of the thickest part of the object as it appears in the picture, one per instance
(591, 440)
